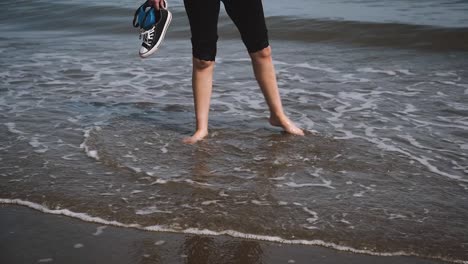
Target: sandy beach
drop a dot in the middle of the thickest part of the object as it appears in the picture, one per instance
(28, 236)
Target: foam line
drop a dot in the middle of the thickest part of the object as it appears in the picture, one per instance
(422, 160)
(12, 128)
(206, 232)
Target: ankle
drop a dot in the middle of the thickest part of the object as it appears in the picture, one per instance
(278, 117)
(201, 131)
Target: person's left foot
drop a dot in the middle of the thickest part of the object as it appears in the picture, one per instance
(286, 124)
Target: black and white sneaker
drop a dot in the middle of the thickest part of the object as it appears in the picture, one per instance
(153, 35)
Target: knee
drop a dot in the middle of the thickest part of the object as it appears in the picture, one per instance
(202, 64)
(262, 54)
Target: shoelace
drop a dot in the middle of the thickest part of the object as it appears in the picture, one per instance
(148, 36)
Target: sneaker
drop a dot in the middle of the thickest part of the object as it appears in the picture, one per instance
(153, 26)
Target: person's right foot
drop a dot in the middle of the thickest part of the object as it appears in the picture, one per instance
(198, 136)
(286, 124)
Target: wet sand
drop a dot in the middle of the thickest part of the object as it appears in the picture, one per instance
(28, 236)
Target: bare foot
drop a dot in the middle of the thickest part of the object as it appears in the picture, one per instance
(199, 135)
(286, 124)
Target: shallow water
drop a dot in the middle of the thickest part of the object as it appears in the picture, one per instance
(89, 127)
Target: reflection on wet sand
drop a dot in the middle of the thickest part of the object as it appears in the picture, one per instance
(205, 250)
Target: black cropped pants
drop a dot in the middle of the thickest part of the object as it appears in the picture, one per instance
(247, 15)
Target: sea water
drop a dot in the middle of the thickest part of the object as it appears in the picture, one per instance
(90, 130)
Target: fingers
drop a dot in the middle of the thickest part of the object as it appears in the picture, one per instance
(160, 4)
(154, 3)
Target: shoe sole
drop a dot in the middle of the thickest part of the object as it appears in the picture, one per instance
(163, 34)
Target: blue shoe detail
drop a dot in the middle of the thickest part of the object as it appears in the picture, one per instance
(145, 16)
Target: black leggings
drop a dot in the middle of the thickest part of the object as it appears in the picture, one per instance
(247, 15)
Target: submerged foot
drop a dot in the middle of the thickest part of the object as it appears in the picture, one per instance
(286, 124)
(198, 136)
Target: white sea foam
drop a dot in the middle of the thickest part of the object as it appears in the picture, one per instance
(310, 227)
(359, 194)
(223, 194)
(210, 202)
(164, 148)
(427, 123)
(351, 78)
(99, 230)
(90, 152)
(159, 181)
(396, 216)
(316, 173)
(78, 245)
(445, 74)
(159, 242)
(353, 96)
(73, 120)
(372, 70)
(422, 160)
(412, 141)
(193, 207)
(12, 128)
(131, 156)
(314, 215)
(345, 221)
(193, 182)
(369, 131)
(281, 178)
(425, 161)
(107, 194)
(45, 260)
(39, 147)
(151, 210)
(257, 202)
(326, 184)
(67, 157)
(318, 68)
(259, 158)
(405, 71)
(409, 108)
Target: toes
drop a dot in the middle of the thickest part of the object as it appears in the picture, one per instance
(296, 131)
(191, 140)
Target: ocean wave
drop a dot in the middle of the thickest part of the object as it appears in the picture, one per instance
(369, 33)
(207, 232)
(81, 19)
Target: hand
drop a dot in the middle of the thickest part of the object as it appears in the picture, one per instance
(159, 4)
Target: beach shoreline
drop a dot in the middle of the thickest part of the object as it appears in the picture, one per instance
(94, 170)
(29, 236)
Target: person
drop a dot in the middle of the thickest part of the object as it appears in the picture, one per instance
(248, 17)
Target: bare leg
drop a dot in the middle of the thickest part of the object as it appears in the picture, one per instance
(202, 85)
(266, 77)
